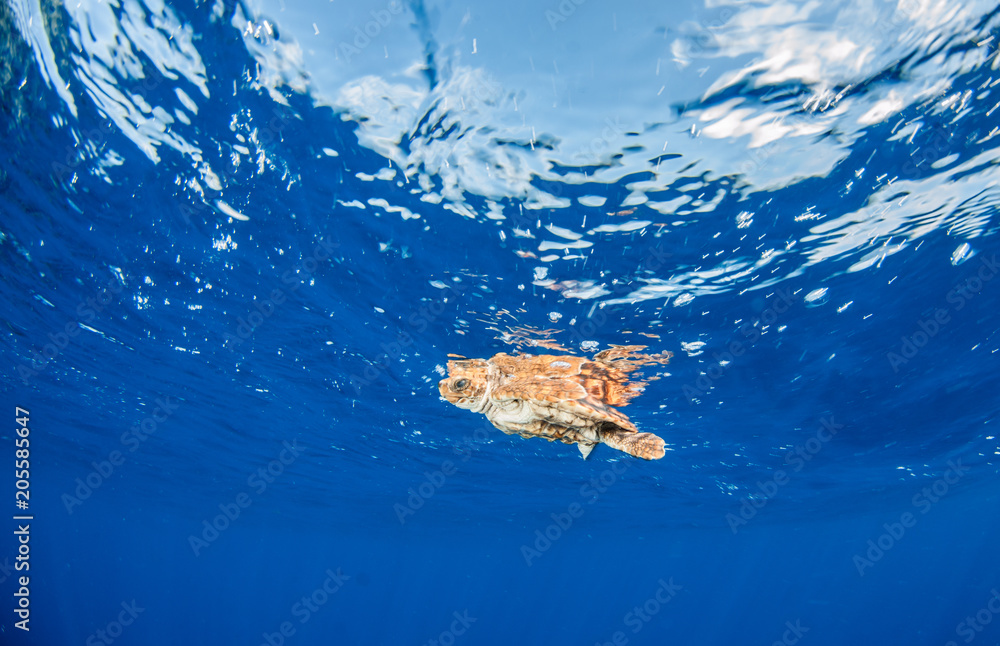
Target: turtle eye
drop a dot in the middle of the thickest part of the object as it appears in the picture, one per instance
(461, 384)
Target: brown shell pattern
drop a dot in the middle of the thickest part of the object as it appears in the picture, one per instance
(558, 397)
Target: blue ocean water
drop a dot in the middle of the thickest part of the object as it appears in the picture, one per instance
(240, 239)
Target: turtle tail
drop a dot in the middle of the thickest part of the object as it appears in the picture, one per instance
(642, 445)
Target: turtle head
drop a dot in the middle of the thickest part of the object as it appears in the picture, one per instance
(465, 385)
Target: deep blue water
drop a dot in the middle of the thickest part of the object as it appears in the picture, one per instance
(239, 242)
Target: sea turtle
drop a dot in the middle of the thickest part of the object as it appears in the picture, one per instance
(557, 397)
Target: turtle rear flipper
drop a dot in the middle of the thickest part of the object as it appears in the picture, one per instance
(642, 445)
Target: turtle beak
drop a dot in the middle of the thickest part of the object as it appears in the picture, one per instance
(446, 393)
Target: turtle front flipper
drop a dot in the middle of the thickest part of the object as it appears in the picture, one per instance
(642, 445)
